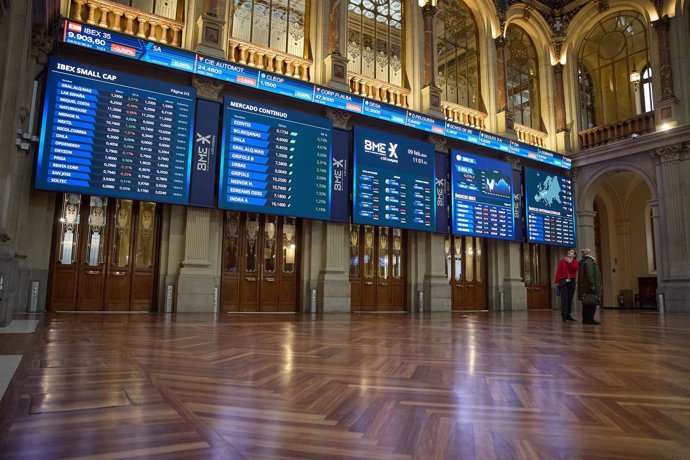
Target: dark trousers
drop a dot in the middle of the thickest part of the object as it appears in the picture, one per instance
(588, 311)
(567, 294)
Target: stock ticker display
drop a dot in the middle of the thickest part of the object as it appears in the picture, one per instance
(394, 181)
(275, 161)
(549, 208)
(109, 133)
(482, 196)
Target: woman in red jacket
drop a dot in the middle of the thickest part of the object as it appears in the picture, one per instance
(566, 274)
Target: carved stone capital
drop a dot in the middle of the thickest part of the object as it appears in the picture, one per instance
(340, 118)
(500, 41)
(663, 23)
(429, 10)
(207, 87)
(573, 173)
(674, 152)
(516, 163)
(439, 142)
(558, 69)
(41, 46)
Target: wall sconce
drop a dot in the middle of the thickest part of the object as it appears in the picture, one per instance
(635, 77)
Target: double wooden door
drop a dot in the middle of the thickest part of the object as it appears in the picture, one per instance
(535, 273)
(104, 253)
(377, 268)
(466, 272)
(260, 263)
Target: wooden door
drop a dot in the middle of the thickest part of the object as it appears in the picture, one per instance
(535, 274)
(259, 263)
(466, 272)
(104, 254)
(377, 268)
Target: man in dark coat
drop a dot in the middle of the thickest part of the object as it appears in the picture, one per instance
(589, 286)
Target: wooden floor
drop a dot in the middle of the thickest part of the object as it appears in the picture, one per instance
(485, 385)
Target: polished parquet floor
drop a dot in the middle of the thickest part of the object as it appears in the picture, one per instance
(484, 385)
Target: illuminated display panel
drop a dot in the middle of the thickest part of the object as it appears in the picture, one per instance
(482, 196)
(549, 208)
(275, 161)
(131, 47)
(394, 181)
(109, 133)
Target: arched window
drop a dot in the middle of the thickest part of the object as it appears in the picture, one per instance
(458, 58)
(279, 24)
(646, 84)
(374, 36)
(611, 52)
(586, 99)
(171, 9)
(522, 77)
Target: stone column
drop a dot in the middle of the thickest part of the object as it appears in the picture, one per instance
(505, 119)
(514, 289)
(431, 94)
(659, 251)
(620, 273)
(672, 164)
(585, 229)
(670, 160)
(333, 287)
(562, 132)
(336, 59)
(196, 284)
(666, 105)
(437, 290)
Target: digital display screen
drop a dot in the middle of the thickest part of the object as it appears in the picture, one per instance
(275, 161)
(549, 207)
(482, 196)
(109, 133)
(131, 47)
(394, 183)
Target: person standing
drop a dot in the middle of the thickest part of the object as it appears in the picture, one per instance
(589, 286)
(566, 274)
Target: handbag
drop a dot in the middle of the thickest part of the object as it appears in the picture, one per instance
(558, 291)
(590, 299)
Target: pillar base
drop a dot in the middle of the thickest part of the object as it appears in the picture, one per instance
(333, 296)
(514, 295)
(676, 296)
(667, 113)
(336, 72)
(437, 294)
(563, 141)
(431, 101)
(210, 32)
(196, 294)
(506, 124)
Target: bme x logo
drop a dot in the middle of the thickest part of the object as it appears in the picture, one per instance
(203, 139)
(392, 150)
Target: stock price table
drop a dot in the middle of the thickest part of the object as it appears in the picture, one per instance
(275, 161)
(482, 196)
(109, 133)
(550, 210)
(394, 181)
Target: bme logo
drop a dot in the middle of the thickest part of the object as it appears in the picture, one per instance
(380, 148)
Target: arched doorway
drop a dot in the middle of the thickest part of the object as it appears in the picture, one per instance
(617, 224)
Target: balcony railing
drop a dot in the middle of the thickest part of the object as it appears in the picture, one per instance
(530, 135)
(624, 129)
(269, 59)
(378, 90)
(121, 18)
(464, 115)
